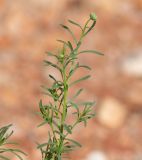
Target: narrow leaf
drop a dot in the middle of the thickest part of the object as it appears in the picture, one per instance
(43, 123)
(69, 30)
(74, 142)
(73, 70)
(51, 54)
(52, 77)
(3, 157)
(67, 128)
(70, 45)
(90, 28)
(84, 66)
(61, 41)
(91, 51)
(51, 64)
(75, 23)
(17, 155)
(77, 94)
(87, 103)
(42, 145)
(79, 80)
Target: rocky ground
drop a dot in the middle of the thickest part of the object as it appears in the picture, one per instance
(29, 28)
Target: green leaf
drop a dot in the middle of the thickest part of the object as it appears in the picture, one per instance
(69, 148)
(75, 106)
(60, 134)
(70, 45)
(74, 52)
(51, 64)
(18, 150)
(75, 23)
(84, 66)
(79, 80)
(17, 155)
(85, 122)
(51, 54)
(73, 70)
(57, 85)
(3, 140)
(43, 123)
(14, 143)
(76, 67)
(77, 94)
(74, 142)
(3, 135)
(90, 28)
(14, 151)
(46, 90)
(91, 51)
(52, 77)
(68, 128)
(59, 157)
(42, 145)
(87, 103)
(70, 60)
(65, 43)
(3, 157)
(40, 104)
(69, 30)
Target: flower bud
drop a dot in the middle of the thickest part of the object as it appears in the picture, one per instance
(61, 55)
(93, 16)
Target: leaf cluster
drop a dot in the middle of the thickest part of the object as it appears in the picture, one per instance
(4, 136)
(56, 112)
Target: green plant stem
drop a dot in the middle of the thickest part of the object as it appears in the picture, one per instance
(65, 96)
(83, 31)
(52, 126)
(65, 83)
(64, 105)
(56, 114)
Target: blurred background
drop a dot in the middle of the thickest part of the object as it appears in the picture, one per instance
(29, 28)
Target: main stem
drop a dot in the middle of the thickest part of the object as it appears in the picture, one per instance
(64, 112)
(65, 96)
(66, 86)
(64, 104)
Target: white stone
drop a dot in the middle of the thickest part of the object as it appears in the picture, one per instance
(132, 64)
(97, 155)
(112, 113)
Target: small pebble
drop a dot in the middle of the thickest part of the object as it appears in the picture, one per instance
(97, 155)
